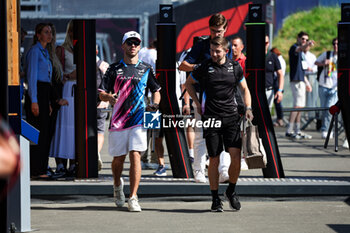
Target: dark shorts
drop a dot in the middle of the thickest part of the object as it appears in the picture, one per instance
(228, 135)
(101, 120)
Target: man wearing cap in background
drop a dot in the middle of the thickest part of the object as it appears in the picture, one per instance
(124, 86)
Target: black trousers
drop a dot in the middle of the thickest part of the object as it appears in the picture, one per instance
(39, 154)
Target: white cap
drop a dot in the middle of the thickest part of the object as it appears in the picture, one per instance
(131, 34)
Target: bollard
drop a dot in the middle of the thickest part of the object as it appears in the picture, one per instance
(84, 32)
(255, 75)
(166, 63)
(344, 65)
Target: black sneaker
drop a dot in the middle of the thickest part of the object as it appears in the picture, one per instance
(233, 201)
(216, 205)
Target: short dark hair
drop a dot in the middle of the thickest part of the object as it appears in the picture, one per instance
(153, 44)
(217, 20)
(237, 38)
(302, 33)
(276, 51)
(333, 41)
(220, 41)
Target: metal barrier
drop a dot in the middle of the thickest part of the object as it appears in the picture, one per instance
(307, 109)
(335, 121)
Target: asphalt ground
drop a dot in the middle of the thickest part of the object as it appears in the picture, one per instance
(191, 214)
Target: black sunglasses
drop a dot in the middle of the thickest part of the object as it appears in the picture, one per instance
(133, 42)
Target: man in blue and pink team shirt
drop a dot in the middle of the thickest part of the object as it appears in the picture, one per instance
(124, 86)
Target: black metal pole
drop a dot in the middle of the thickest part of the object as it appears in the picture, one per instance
(344, 66)
(3, 99)
(85, 98)
(166, 62)
(255, 72)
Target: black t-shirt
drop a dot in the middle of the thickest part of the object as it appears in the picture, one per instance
(272, 64)
(201, 52)
(219, 83)
(296, 69)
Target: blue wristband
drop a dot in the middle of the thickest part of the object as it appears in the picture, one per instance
(280, 90)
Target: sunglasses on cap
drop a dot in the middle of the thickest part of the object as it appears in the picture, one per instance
(133, 42)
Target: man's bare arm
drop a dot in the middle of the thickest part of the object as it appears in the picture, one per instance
(247, 99)
(192, 92)
(185, 66)
(279, 94)
(104, 96)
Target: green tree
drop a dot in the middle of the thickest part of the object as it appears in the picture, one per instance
(320, 23)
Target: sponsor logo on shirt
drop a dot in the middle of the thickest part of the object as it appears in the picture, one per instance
(128, 77)
(120, 71)
(230, 69)
(211, 69)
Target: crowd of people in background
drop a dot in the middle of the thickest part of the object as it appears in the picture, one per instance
(50, 76)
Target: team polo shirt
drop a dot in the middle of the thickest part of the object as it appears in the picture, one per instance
(272, 64)
(219, 82)
(296, 69)
(129, 82)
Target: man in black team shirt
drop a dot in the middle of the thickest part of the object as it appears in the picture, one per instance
(199, 53)
(219, 78)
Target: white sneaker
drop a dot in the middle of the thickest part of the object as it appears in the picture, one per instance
(324, 135)
(199, 176)
(302, 135)
(346, 144)
(119, 196)
(244, 165)
(223, 177)
(133, 204)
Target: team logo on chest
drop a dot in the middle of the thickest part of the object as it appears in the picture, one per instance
(120, 72)
(211, 69)
(141, 72)
(230, 69)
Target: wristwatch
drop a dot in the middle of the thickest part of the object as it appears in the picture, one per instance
(248, 108)
(282, 91)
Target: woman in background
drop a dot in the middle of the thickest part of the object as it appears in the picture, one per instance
(63, 141)
(37, 104)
